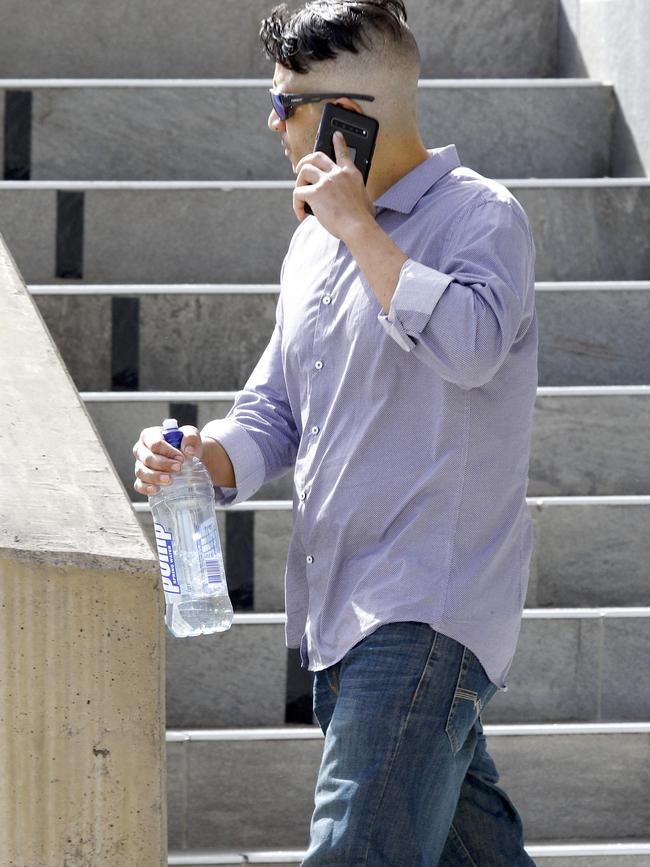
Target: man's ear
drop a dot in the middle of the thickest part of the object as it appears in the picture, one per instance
(350, 104)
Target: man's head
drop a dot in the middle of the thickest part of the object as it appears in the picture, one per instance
(344, 46)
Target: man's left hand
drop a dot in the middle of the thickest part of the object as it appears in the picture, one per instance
(335, 191)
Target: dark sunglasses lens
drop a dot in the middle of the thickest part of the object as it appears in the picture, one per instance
(278, 106)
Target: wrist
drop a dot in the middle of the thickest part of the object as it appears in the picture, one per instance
(361, 233)
(217, 462)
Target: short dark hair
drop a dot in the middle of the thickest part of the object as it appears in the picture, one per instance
(322, 28)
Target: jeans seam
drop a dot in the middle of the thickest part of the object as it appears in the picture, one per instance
(333, 680)
(403, 728)
(459, 840)
(455, 746)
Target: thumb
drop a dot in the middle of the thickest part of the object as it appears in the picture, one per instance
(340, 147)
(191, 439)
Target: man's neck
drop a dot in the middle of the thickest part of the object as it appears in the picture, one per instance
(387, 169)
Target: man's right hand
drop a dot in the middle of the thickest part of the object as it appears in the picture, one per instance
(156, 459)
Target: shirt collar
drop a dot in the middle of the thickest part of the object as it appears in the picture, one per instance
(409, 189)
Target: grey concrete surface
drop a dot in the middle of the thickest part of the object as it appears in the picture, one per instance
(590, 445)
(215, 345)
(168, 39)
(237, 677)
(54, 507)
(30, 232)
(591, 232)
(605, 777)
(608, 41)
(81, 329)
(205, 133)
(579, 231)
(594, 338)
(590, 555)
(578, 669)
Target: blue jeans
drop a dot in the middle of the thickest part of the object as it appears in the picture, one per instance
(405, 778)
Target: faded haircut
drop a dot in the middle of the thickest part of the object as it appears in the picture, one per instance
(324, 29)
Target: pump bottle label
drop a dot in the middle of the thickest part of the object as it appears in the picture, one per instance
(166, 558)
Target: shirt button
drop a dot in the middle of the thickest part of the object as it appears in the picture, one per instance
(315, 429)
(327, 299)
(318, 364)
(302, 495)
(310, 559)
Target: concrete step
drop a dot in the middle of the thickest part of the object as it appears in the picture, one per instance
(571, 665)
(589, 333)
(203, 39)
(188, 231)
(254, 789)
(182, 129)
(587, 854)
(586, 441)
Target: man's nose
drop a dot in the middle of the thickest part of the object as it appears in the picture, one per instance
(274, 122)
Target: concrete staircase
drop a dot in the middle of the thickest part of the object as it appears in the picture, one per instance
(150, 217)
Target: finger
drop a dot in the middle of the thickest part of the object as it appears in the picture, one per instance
(340, 148)
(308, 174)
(191, 444)
(317, 158)
(300, 196)
(155, 452)
(153, 440)
(143, 488)
(150, 476)
(160, 463)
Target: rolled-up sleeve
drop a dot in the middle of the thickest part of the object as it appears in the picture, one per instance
(462, 320)
(259, 432)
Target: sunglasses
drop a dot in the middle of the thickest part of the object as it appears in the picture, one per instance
(286, 103)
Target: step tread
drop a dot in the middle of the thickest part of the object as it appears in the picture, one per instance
(264, 82)
(299, 732)
(274, 288)
(540, 849)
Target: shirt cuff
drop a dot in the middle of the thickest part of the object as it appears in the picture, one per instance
(246, 457)
(418, 290)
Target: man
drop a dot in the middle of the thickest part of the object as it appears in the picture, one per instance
(400, 382)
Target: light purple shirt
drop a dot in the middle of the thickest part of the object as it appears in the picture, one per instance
(410, 431)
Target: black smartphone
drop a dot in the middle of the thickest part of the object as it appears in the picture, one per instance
(360, 133)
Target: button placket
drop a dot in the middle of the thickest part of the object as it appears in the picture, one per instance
(319, 363)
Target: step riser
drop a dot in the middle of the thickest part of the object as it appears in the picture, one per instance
(246, 795)
(585, 338)
(582, 669)
(144, 44)
(203, 133)
(580, 445)
(186, 235)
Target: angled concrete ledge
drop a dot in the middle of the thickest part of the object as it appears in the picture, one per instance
(61, 502)
(82, 645)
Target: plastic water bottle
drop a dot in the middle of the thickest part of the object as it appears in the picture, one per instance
(189, 548)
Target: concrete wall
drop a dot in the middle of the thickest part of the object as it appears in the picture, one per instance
(608, 40)
(82, 649)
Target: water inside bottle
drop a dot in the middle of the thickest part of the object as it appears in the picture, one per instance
(203, 607)
(200, 616)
